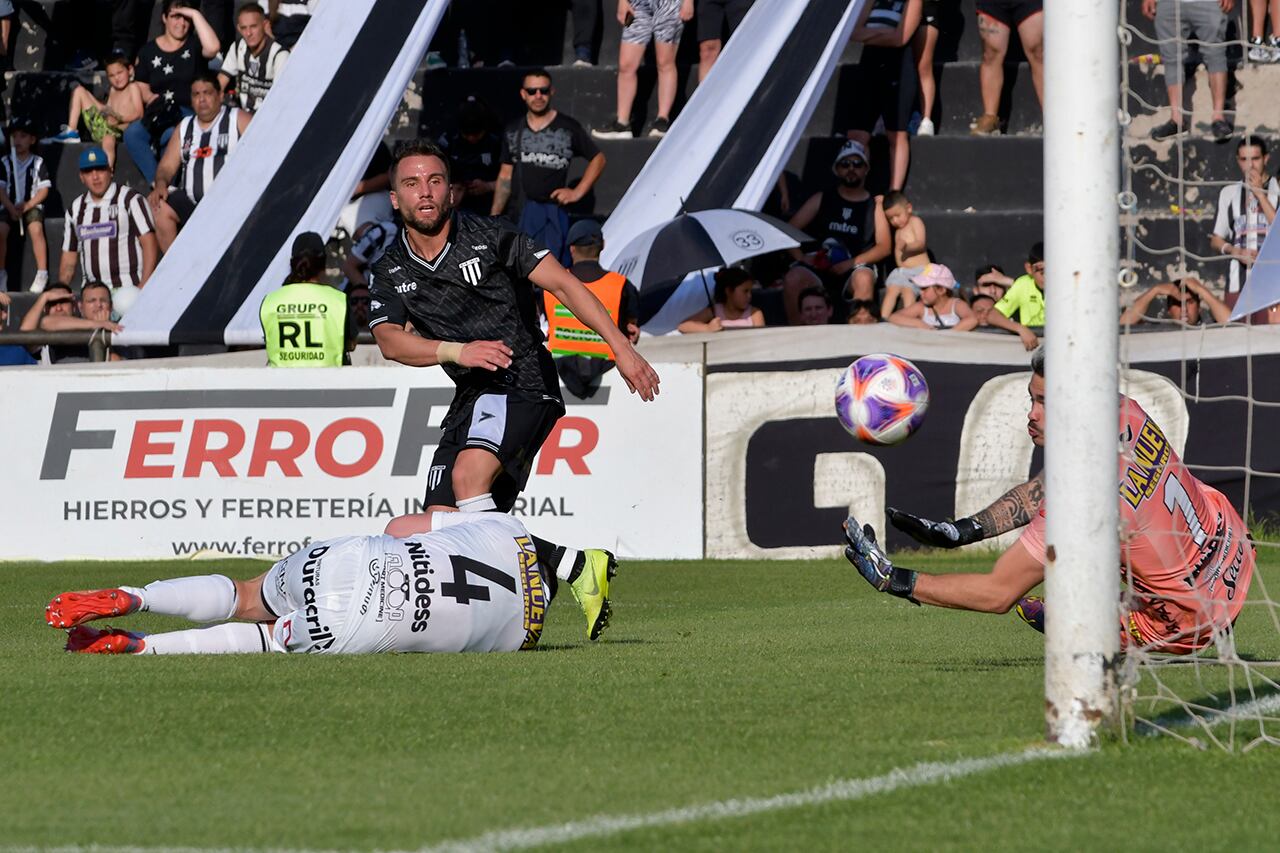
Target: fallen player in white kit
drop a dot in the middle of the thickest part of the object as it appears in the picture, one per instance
(469, 582)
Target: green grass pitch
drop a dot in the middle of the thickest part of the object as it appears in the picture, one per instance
(717, 681)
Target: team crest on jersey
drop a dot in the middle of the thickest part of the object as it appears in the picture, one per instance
(434, 476)
(470, 270)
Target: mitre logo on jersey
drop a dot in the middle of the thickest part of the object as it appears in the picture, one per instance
(470, 270)
(406, 287)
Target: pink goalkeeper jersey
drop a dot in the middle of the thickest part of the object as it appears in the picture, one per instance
(1188, 556)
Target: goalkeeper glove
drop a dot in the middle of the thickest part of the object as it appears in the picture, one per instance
(939, 534)
(861, 550)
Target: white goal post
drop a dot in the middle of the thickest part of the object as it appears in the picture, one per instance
(1081, 229)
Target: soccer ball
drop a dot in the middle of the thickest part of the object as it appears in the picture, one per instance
(881, 399)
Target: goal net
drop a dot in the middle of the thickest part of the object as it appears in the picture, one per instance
(1224, 383)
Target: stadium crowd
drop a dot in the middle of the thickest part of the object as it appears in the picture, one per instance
(178, 91)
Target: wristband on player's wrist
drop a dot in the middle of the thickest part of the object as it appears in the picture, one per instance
(969, 530)
(449, 352)
(902, 583)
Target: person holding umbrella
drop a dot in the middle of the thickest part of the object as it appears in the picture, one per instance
(732, 309)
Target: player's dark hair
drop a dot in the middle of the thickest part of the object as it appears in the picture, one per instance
(1181, 300)
(306, 266)
(856, 305)
(206, 76)
(727, 279)
(1037, 361)
(1252, 140)
(119, 59)
(537, 72)
(895, 198)
(1036, 255)
(820, 292)
(420, 148)
(986, 268)
(973, 296)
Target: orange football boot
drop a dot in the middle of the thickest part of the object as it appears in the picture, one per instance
(75, 608)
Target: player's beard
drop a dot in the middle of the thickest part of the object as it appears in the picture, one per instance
(430, 227)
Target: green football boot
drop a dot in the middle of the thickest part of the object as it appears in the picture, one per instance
(591, 589)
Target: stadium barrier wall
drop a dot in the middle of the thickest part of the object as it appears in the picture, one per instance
(146, 463)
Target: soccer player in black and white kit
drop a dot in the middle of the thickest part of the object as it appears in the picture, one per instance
(464, 282)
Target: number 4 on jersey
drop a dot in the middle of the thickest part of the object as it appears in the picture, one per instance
(461, 591)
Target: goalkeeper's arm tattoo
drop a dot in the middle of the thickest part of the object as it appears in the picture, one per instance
(1014, 509)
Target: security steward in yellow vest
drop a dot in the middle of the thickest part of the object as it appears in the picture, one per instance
(582, 357)
(305, 324)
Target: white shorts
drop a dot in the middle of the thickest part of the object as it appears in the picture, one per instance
(471, 584)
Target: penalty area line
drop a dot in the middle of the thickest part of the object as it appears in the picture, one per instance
(844, 790)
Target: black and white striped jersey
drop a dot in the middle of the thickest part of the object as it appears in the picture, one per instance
(205, 150)
(107, 233)
(476, 289)
(24, 178)
(255, 74)
(376, 239)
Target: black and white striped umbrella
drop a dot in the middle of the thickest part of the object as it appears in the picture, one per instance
(658, 260)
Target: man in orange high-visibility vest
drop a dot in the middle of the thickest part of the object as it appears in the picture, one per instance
(581, 356)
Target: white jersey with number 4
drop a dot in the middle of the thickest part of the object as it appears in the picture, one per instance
(470, 585)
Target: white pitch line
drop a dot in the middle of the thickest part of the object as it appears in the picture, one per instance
(843, 790)
(1250, 710)
(601, 826)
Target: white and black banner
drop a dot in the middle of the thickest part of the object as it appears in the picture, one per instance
(292, 172)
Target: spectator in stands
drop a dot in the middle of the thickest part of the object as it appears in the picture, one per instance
(586, 18)
(11, 355)
(717, 19)
(940, 306)
(371, 240)
(104, 121)
(1260, 49)
(815, 307)
(25, 180)
(990, 280)
(288, 18)
(358, 299)
(57, 310)
(1024, 298)
(536, 152)
(659, 21)
(165, 70)
(255, 61)
(910, 253)
(996, 21)
(889, 83)
(1178, 21)
(194, 156)
(732, 308)
(855, 232)
(1183, 301)
(371, 197)
(923, 44)
(863, 312)
(981, 305)
(572, 342)
(474, 154)
(1246, 211)
(108, 229)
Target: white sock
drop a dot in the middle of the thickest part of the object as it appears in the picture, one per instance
(565, 568)
(231, 638)
(480, 503)
(204, 598)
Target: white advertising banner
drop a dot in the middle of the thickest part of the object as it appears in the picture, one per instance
(138, 463)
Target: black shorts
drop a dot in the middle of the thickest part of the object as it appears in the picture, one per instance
(181, 204)
(931, 12)
(1011, 13)
(717, 19)
(511, 428)
(888, 88)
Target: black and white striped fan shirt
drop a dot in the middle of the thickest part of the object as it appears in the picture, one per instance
(23, 179)
(107, 233)
(254, 75)
(205, 151)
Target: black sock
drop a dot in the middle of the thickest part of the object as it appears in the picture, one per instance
(550, 554)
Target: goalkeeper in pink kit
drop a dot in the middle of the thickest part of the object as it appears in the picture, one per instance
(1185, 552)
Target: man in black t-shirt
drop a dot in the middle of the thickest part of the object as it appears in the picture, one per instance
(465, 284)
(164, 71)
(536, 152)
